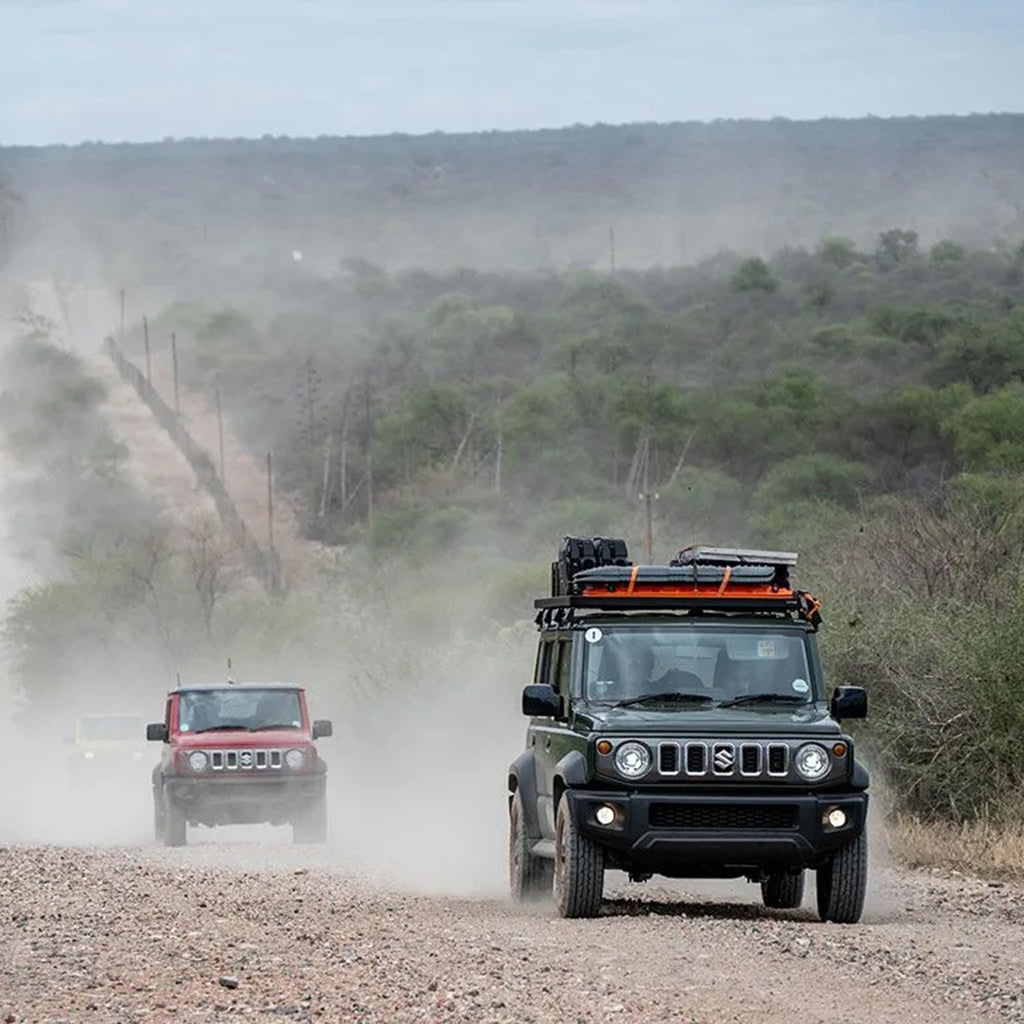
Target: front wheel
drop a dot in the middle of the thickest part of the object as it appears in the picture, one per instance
(579, 868)
(311, 827)
(783, 892)
(529, 876)
(175, 831)
(842, 883)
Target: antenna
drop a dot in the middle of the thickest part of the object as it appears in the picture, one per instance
(230, 679)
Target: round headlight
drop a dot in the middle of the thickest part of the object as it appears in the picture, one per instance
(197, 761)
(295, 759)
(812, 761)
(632, 760)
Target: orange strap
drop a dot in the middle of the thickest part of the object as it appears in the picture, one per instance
(632, 579)
(725, 580)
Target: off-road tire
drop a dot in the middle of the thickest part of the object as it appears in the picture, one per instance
(529, 876)
(842, 883)
(159, 824)
(783, 892)
(311, 825)
(579, 868)
(175, 824)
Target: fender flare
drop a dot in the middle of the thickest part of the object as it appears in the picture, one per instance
(861, 777)
(522, 778)
(570, 772)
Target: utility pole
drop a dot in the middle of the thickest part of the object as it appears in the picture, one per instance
(497, 464)
(149, 364)
(270, 505)
(648, 498)
(220, 431)
(174, 363)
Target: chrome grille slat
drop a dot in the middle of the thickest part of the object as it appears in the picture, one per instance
(668, 758)
(696, 758)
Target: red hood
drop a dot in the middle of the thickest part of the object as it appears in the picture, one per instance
(229, 738)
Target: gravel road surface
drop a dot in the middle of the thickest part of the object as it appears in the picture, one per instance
(266, 931)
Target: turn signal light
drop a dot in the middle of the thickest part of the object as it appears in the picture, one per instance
(604, 746)
(839, 749)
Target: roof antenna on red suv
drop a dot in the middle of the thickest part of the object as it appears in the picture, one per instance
(230, 679)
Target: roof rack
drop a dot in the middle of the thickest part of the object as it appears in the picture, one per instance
(597, 574)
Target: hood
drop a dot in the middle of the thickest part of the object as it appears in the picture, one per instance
(751, 720)
(226, 739)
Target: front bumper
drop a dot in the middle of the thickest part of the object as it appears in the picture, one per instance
(244, 800)
(718, 834)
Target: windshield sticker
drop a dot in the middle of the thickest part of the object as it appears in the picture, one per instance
(766, 648)
(592, 635)
(800, 685)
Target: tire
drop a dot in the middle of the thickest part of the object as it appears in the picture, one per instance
(529, 876)
(159, 824)
(783, 892)
(311, 826)
(842, 883)
(579, 868)
(175, 825)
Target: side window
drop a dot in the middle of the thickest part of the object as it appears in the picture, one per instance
(561, 675)
(540, 673)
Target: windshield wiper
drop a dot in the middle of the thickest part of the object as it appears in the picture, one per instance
(669, 697)
(275, 725)
(764, 698)
(220, 728)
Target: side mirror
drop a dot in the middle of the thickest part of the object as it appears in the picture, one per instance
(322, 727)
(541, 702)
(849, 702)
(157, 732)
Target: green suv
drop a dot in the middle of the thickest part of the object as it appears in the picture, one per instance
(680, 726)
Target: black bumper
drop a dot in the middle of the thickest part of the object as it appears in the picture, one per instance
(243, 800)
(718, 834)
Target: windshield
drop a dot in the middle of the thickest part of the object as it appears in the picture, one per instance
(204, 710)
(630, 663)
(111, 727)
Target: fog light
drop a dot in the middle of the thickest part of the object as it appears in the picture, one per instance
(605, 815)
(836, 817)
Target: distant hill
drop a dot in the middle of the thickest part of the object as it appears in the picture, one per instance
(671, 193)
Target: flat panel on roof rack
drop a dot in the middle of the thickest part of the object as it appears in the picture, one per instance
(699, 553)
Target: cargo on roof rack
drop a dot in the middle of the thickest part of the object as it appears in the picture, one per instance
(597, 574)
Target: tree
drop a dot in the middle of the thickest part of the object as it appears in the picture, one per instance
(896, 247)
(753, 275)
(837, 250)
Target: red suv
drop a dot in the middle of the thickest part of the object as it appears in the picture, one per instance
(239, 753)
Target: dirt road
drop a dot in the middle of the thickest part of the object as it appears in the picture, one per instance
(262, 930)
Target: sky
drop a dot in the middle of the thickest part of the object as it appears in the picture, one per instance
(137, 70)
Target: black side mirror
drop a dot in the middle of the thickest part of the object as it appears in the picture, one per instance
(157, 732)
(849, 702)
(541, 702)
(322, 727)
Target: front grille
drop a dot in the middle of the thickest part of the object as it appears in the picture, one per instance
(723, 816)
(752, 759)
(233, 760)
